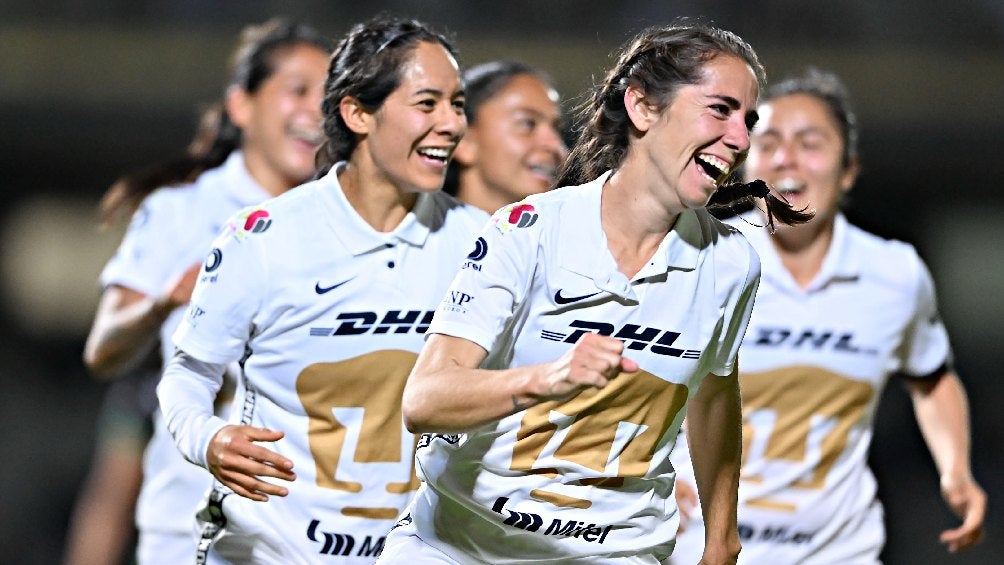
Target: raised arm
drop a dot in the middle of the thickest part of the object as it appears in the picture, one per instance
(714, 432)
(447, 392)
(942, 411)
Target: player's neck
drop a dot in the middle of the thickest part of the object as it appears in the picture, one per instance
(377, 201)
(803, 249)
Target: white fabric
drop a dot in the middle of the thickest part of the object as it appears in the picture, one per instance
(814, 364)
(171, 231)
(545, 278)
(328, 316)
(187, 392)
(165, 548)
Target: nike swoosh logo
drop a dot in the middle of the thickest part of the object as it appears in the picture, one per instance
(322, 289)
(569, 299)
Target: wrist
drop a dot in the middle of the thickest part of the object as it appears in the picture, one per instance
(529, 390)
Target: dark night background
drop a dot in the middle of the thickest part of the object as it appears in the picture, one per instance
(92, 88)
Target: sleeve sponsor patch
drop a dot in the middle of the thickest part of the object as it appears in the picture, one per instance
(515, 216)
(255, 220)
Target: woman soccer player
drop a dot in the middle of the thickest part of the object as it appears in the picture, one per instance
(563, 360)
(324, 296)
(258, 143)
(839, 311)
(513, 146)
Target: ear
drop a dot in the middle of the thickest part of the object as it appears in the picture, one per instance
(850, 175)
(239, 106)
(357, 118)
(466, 153)
(641, 113)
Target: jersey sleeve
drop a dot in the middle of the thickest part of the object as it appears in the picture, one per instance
(738, 309)
(146, 258)
(227, 296)
(926, 347)
(494, 279)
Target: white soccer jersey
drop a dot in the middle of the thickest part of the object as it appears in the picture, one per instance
(814, 363)
(171, 231)
(586, 480)
(327, 316)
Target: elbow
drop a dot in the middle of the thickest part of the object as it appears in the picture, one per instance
(412, 425)
(414, 419)
(99, 365)
(417, 414)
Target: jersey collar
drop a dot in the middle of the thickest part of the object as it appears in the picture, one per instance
(583, 248)
(239, 184)
(358, 236)
(840, 263)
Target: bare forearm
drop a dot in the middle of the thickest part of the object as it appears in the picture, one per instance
(447, 392)
(714, 429)
(123, 335)
(457, 399)
(942, 412)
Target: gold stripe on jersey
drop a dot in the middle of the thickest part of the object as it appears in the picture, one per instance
(559, 499)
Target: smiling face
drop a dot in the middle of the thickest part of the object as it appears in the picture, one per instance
(281, 121)
(798, 148)
(514, 147)
(703, 134)
(411, 137)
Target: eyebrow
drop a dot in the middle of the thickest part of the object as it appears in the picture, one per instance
(436, 92)
(752, 117)
(730, 101)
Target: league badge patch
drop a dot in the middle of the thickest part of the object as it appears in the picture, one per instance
(252, 221)
(514, 216)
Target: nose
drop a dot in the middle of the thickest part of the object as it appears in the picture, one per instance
(737, 136)
(450, 121)
(782, 156)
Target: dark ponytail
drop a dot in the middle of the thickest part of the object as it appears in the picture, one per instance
(734, 197)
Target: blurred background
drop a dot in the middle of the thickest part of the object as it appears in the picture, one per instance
(90, 89)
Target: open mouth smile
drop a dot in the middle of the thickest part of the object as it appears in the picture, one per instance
(715, 169)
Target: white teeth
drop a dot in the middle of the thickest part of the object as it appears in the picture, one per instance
(546, 170)
(310, 136)
(715, 162)
(789, 185)
(435, 152)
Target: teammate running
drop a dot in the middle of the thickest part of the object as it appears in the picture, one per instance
(258, 143)
(838, 312)
(513, 144)
(324, 296)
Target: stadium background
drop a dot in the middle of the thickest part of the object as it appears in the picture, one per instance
(92, 88)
